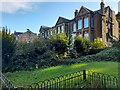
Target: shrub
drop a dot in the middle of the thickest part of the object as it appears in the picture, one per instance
(59, 43)
(82, 45)
(97, 43)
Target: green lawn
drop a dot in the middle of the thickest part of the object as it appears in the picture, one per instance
(22, 78)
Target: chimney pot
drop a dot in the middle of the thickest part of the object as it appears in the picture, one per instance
(76, 12)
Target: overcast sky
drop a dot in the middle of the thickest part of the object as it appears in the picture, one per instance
(22, 15)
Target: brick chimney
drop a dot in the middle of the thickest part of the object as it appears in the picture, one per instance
(75, 13)
(102, 8)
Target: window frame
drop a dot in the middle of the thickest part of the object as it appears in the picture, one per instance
(86, 22)
(62, 28)
(79, 24)
(74, 27)
(58, 29)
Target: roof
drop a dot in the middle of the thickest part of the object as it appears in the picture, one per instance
(98, 11)
(87, 9)
(29, 31)
(62, 20)
(83, 8)
(44, 28)
(18, 33)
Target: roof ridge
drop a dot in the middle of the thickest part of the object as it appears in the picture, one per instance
(63, 17)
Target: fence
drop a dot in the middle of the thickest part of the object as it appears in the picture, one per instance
(82, 79)
(4, 82)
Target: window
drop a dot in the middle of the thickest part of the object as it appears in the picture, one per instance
(62, 28)
(51, 32)
(86, 24)
(110, 13)
(79, 24)
(54, 31)
(74, 27)
(59, 29)
(86, 35)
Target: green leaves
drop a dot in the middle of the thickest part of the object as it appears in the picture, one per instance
(81, 44)
(59, 43)
(8, 44)
(97, 43)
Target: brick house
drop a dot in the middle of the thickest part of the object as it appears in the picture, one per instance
(27, 36)
(101, 23)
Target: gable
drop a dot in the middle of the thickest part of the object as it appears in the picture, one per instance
(62, 20)
(59, 21)
(83, 10)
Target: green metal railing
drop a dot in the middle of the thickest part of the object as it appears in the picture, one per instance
(82, 79)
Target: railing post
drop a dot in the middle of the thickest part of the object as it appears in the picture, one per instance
(84, 74)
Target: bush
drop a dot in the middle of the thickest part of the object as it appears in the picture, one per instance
(108, 54)
(59, 43)
(94, 51)
(82, 45)
(97, 43)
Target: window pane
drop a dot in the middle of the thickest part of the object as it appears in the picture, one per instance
(79, 24)
(51, 32)
(58, 29)
(74, 27)
(86, 22)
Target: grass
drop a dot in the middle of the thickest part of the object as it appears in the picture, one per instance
(23, 78)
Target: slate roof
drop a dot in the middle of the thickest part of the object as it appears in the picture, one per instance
(29, 31)
(64, 20)
(87, 9)
(98, 11)
(44, 28)
(18, 33)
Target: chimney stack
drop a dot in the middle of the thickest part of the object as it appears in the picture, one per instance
(76, 12)
(102, 7)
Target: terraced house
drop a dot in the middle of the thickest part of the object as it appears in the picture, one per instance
(101, 23)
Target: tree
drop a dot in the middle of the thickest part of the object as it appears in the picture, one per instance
(81, 44)
(8, 44)
(59, 43)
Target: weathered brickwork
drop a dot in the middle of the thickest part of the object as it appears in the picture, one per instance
(101, 23)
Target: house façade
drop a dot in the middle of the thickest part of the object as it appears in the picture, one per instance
(101, 23)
